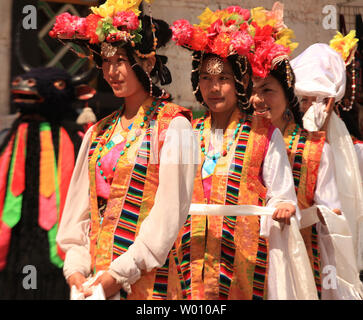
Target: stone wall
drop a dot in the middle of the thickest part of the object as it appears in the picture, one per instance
(5, 45)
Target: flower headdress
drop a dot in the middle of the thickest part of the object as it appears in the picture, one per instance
(260, 35)
(115, 21)
(223, 32)
(345, 46)
(272, 39)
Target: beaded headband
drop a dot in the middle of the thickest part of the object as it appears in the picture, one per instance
(114, 22)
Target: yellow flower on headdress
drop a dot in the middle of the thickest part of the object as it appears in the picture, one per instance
(261, 17)
(111, 7)
(284, 37)
(274, 17)
(344, 45)
(208, 17)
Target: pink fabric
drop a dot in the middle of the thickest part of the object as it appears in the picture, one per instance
(5, 235)
(107, 163)
(48, 214)
(207, 186)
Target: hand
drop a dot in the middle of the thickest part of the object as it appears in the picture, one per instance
(321, 218)
(283, 212)
(109, 285)
(77, 279)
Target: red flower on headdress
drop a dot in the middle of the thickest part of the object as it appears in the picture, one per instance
(92, 24)
(182, 32)
(126, 19)
(245, 13)
(244, 26)
(215, 28)
(265, 52)
(242, 42)
(262, 34)
(65, 25)
(199, 39)
(221, 44)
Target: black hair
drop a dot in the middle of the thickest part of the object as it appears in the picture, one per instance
(240, 66)
(286, 77)
(160, 72)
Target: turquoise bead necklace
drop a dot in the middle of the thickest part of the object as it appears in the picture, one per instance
(293, 136)
(133, 138)
(217, 155)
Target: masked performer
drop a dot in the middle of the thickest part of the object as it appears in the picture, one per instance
(36, 162)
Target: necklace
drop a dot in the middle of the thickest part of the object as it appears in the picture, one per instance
(352, 99)
(108, 133)
(293, 136)
(217, 155)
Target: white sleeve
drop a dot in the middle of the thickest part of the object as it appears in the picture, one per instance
(172, 201)
(326, 192)
(72, 236)
(277, 174)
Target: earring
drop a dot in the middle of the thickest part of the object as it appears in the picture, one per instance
(287, 115)
(151, 84)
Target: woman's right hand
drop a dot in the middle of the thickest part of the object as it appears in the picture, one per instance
(76, 279)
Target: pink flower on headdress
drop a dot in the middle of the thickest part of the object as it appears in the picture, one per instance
(245, 13)
(278, 13)
(81, 27)
(265, 52)
(65, 25)
(242, 42)
(126, 19)
(182, 32)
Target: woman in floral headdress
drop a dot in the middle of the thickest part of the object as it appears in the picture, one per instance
(313, 171)
(231, 246)
(125, 205)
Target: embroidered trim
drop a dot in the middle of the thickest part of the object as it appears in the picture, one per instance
(316, 259)
(229, 223)
(125, 231)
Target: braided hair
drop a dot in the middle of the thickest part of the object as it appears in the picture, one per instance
(240, 67)
(160, 72)
(286, 77)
